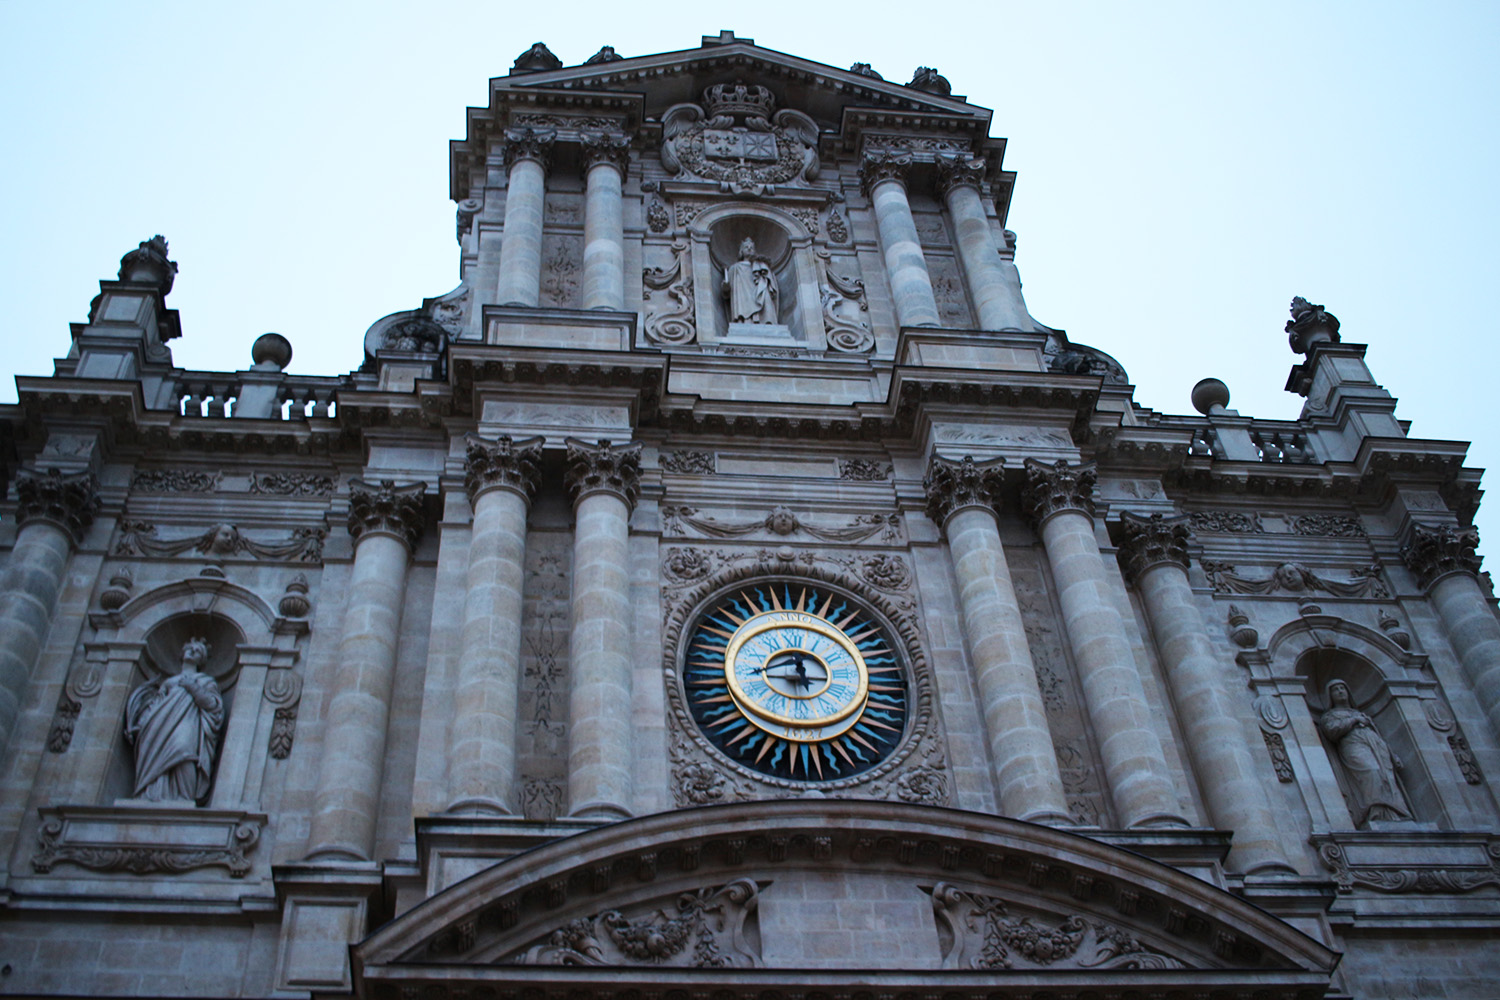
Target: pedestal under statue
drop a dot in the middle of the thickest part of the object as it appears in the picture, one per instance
(173, 724)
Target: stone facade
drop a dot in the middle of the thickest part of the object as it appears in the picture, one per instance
(451, 659)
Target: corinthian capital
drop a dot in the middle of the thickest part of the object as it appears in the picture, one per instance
(603, 468)
(67, 501)
(502, 464)
(385, 508)
(879, 165)
(612, 148)
(953, 485)
(1434, 551)
(529, 144)
(1051, 489)
(959, 170)
(1152, 541)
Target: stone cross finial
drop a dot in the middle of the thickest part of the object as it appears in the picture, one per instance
(68, 501)
(1151, 541)
(1436, 551)
(502, 464)
(1054, 488)
(386, 508)
(603, 468)
(953, 485)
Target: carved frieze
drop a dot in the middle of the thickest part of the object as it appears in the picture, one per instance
(953, 485)
(146, 840)
(781, 521)
(175, 481)
(385, 507)
(734, 138)
(1329, 525)
(1225, 522)
(694, 463)
(219, 541)
(502, 464)
(1056, 487)
(668, 299)
(864, 470)
(68, 501)
(1149, 541)
(603, 468)
(1294, 578)
(1436, 551)
(293, 484)
(1437, 864)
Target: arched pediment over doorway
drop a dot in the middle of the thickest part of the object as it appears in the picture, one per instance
(793, 898)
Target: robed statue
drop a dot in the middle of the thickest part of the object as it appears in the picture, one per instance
(751, 287)
(174, 723)
(1368, 761)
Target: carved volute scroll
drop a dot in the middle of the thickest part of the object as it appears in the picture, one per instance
(612, 148)
(502, 464)
(1434, 552)
(958, 170)
(533, 144)
(603, 468)
(386, 508)
(68, 501)
(1151, 541)
(951, 486)
(1052, 489)
(882, 165)
(669, 301)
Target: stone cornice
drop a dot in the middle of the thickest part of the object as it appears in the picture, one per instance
(67, 501)
(385, 508)
(1152, 541)
(1057, 487)
(1435, 551)
(952, 486)
(502, 464)
(472, 365)
(603, 468)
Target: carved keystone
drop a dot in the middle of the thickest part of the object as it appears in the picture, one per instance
(69, 502)
(1433, 552)
(951, 486)
(386, 508)
(1150, 541)
(603, 468)
(502, 464)
(1052, 489)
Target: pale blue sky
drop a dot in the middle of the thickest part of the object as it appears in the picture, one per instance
(1184, 169)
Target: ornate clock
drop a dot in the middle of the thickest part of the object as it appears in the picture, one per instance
(796, 681)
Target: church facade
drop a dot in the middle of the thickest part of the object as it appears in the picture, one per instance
(730, 590)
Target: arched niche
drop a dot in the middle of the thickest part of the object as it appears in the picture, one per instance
(716, 235)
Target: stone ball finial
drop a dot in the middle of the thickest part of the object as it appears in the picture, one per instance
(1210, 395)
(271, 351)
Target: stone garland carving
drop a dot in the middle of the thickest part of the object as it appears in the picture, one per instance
(1150, 541)
(85, 681)
(386, 507)
(1294, 578)
(844, 309)
(704, 929)
(148, 860)
(562, 268)
(293, 484)
(926, 784)
(1330, 525)
(864, 470)
(698, 783)
(69, 501)
(809, 219)
(1432, 552)
(544, 751)
(739, 142)
(603, 468)
(695, 463)
(1281, 761)
(1225, 522)
(953, 485)
(1051, 489)
(417, 335)
(139, 538)
(581, 123)
(978, 932)
(918, 143)
(175, 481)
(838, 230)
(657, 219)
(781, 521)
(1463, 755)
(687, 211)
(283, 690)
(502, 464)
(1348, 877)
(669, 315)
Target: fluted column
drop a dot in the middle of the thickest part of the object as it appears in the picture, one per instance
(501, 479)
(1155, 557)
(526, 150)
(1060, 499)
(1446, 565)
(884, 177)
(386, 522)
(603, 480)
(961, 498)
(606, 157)
(53, 511)
(996, 298)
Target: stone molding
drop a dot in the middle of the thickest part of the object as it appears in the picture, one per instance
(68, 501)
(1060, 486)
(1434, 551)
(612, 148)
(882, 165)
(147, 840)
(960, 170)
(1151, 541)
(1410, 863)
(952, 486)
(533, 144)
(603, 468)
(502, 464)
(385, 508)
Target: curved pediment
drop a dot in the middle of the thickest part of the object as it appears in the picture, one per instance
(736, 895)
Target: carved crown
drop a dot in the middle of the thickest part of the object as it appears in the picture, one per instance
(738, 99)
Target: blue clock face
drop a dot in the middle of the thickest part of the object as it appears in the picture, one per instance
(796, 681)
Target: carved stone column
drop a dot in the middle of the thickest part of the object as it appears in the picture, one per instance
(501, 481)
(53, 510)
(527, 151)
(1060, 499)
(960, 498)
(1445, 563)
(996, 299)
(386, 522)
(884, 177)
(603, 481)
(606, 158)
(1155, 557)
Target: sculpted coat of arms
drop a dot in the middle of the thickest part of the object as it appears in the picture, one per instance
(738, 142)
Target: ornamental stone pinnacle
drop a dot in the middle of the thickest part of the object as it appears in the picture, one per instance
(1054, 488)
(953, 485)
(1310, 325)
(386, 508)
(958, 170)
(1151, 541)
(68, 501)
(612, 148)
(603, 468)
(529, 144)
(148, 263)
(502, 464)
(1435, 551)
(880, 166)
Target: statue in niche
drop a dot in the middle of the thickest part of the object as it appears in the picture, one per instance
(1367, 758)
(751, 287)
(173, 724)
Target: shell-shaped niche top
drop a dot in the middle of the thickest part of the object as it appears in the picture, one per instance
(734, 138)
